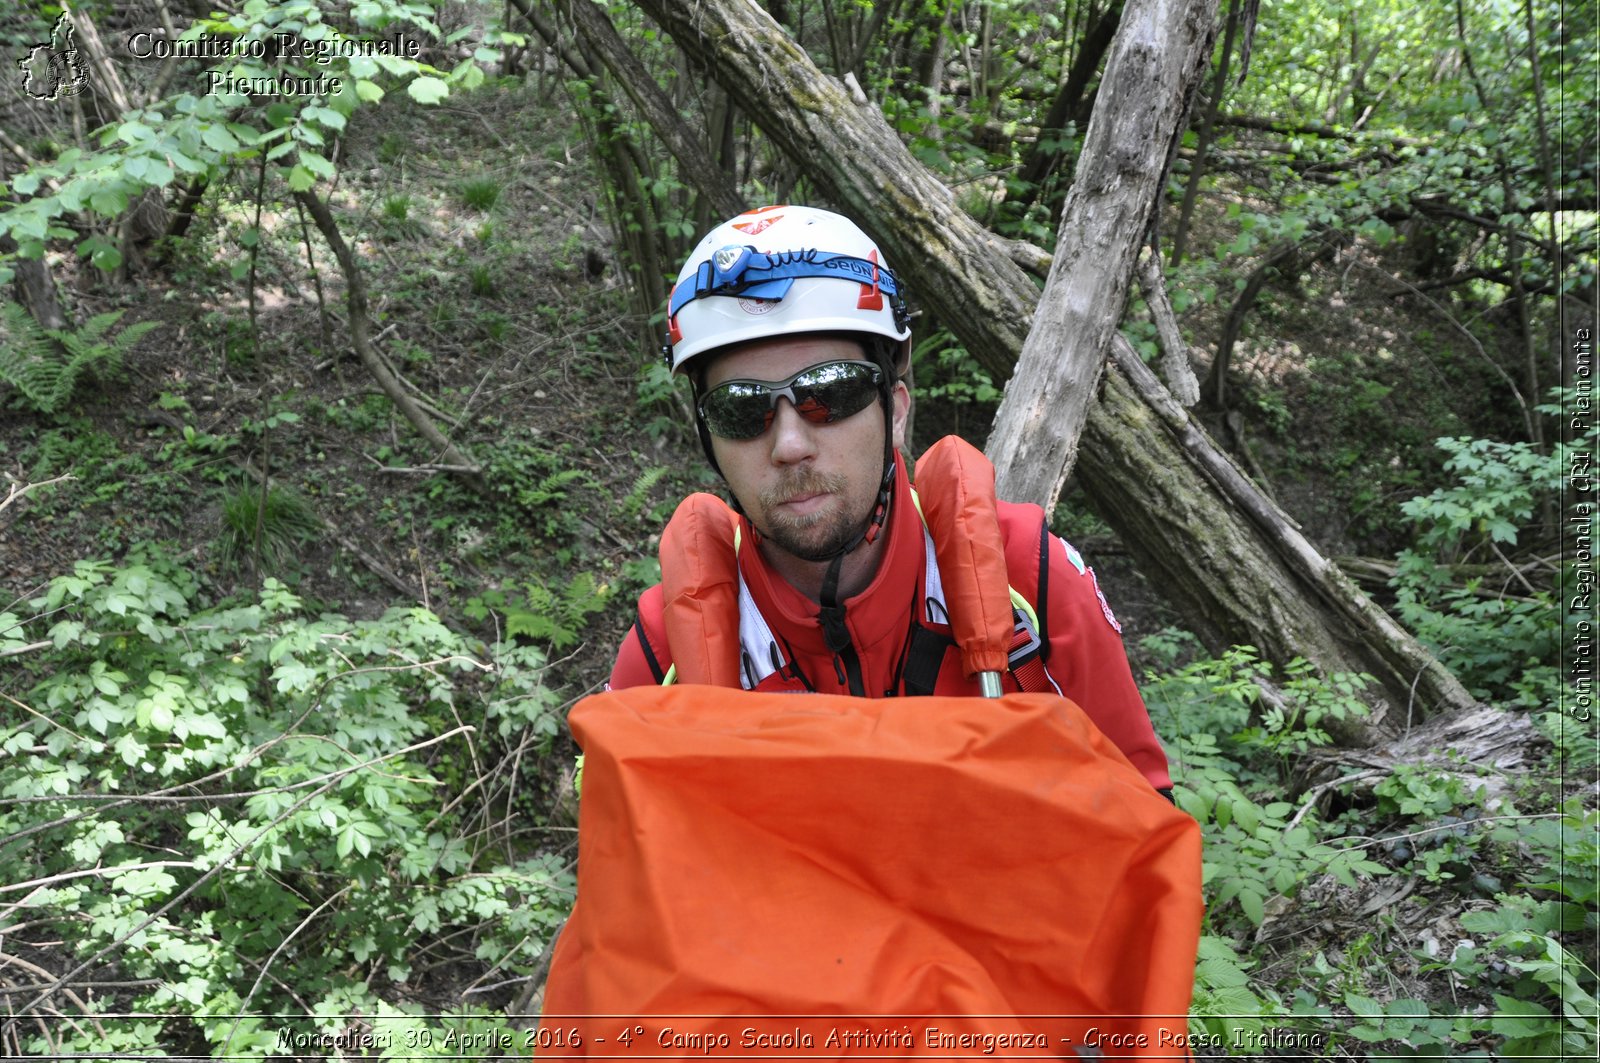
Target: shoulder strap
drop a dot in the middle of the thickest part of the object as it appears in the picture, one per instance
(644, 644)
(1041, 604)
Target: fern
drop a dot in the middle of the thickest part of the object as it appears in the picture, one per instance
(639, 493)
(552, 488)
(29, 361)
(44, 366)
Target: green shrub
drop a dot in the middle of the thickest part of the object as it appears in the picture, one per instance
(262, 820)
(1517, 987)
(398, 221)
(1495, 623)
(481, 280)
(480, 193)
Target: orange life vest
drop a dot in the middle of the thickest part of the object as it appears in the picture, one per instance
(724, 618)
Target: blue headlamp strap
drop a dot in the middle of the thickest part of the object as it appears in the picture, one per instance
(752, 274)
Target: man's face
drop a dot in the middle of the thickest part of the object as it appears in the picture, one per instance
(808, 488)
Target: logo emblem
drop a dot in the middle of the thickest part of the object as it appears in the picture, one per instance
(54, 70)
(757, 306)
(761, 219)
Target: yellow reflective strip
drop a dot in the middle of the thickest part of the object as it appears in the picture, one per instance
(1018, 601)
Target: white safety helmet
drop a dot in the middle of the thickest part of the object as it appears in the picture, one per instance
(779, 271)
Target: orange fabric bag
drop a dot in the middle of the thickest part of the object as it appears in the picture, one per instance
(767, 875)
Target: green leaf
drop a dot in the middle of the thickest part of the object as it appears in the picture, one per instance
(219, 139)
(106, 258)
(1252, 904)
(1405, 1006)
(1365, 1007)
(134, 132)
(301, 179)
(25, 184)
(369, 91)
(186, 163)
(1246, 814)
(1520, 1018)
(427, 89)
(326, 116)
(467, 74)
(394, 64)
(156, 712)
(109, 201)
(316, 164)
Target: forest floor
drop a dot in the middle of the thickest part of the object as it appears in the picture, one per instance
(495, 295)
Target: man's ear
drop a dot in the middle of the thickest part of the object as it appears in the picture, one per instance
(901, 399)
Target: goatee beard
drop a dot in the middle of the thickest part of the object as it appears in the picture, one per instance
(810, 538)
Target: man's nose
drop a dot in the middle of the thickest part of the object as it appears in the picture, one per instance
(793, 437)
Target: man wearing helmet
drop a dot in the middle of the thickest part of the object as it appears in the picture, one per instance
(795, 334)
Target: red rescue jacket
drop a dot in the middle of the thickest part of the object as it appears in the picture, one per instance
(899, 625)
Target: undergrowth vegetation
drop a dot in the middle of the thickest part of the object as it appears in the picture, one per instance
(1428, 913)
(238, 809)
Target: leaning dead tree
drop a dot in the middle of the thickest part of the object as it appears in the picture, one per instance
(1157, 56)
(1239, 573)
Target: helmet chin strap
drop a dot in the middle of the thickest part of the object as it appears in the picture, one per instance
(831, 614)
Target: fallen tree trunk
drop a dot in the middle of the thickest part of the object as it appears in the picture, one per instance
(1232, 573)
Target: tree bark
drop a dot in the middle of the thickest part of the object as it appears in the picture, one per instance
(1233, 324)
(1177, 370)
(1155, 59)
(1197, 167)
(36, 289)
(1223, 566)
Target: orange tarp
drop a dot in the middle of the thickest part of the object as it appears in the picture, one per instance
(772, 875)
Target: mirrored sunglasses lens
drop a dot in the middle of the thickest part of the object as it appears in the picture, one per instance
(737, 411)
(833, 392)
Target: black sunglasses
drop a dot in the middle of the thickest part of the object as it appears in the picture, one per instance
(822, 394)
